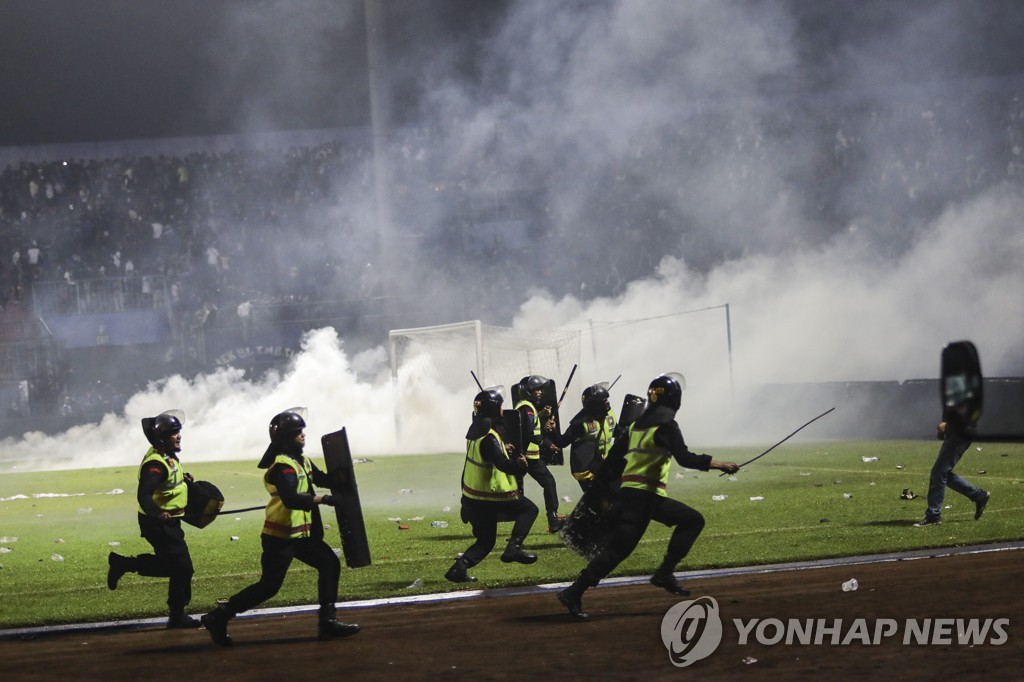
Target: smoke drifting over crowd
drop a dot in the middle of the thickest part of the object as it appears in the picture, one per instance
(835, 172)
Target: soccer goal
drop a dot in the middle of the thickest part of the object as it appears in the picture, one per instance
(498, 355)
(424, 358)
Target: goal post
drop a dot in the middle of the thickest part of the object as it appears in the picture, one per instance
(444, 355)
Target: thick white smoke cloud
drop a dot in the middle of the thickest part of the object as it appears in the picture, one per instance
(575, 96)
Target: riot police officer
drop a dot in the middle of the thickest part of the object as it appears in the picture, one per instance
(640, 460)
(490, 491)
(538, 423)
(590, 434)
(162, 495)
(292, 530)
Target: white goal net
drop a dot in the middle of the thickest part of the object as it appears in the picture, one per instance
(425, 358)
(498, 355)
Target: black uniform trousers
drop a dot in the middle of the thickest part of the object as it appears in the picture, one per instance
(276, 558)
(635, 510)
(538, 471)
(170, 559)
(484, 517)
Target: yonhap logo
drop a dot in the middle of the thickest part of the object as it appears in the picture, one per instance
(691, 630)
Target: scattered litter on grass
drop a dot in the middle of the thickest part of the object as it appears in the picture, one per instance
(5, 550)
(851, 585)
(416, 518)
(566, 498)
(978, 448)
(907, 494)
(823, 521)
(115, 491)
(114, 543)
(899, 466)
(56, 557)
(395, 518)
(732, 478)
(836, 482)
(948, 506)
(362, 460)
(8, 539)
(719, 498)
(749, 659)
(848, 496)
(59, 541)
(439, 524)
(406, 491)
(234, 538)
(757, 498)
(869, 459)
(982, 472)
(403, 528)
(446, 508)
(805, 473)
(415, 584)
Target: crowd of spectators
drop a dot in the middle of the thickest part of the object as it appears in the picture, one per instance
(213, 236)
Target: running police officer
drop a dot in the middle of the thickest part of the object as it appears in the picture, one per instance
(589, 435)
(490, 490)
(162, 496)
(641, 458)
(292, 530)
(537, 423)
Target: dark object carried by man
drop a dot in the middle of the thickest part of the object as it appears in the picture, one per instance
(204, 503)
(348, 509)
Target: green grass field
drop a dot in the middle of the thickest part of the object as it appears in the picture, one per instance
(819, 500)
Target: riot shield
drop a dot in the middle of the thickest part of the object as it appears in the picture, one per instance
(348, 510)
(512, 432)
(632, 407)
(549, 452)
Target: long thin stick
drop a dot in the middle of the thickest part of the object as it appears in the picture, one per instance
(783, 440)
(568, 381)
(479, 385)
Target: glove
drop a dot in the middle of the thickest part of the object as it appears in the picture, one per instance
(328, 500)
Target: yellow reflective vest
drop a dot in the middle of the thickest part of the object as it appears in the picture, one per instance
(647, 464)
(282, 522)
(481, 480)
(532, 449)
(172, 495)
(600, 432)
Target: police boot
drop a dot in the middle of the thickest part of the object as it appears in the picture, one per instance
(216, 623)
(118, 566)
(514, 553)
(333, 629)
(179, 620)
(457, 573)
(666, 579)
(555, 522)
(572, 596)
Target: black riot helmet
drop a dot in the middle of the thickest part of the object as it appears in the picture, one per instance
(283, 429)
(595, 399)
(286, 425)
(532, 383)
(666, 390)
(487, 403)
(161, 427)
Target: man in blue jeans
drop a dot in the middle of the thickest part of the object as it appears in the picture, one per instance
(955, 435)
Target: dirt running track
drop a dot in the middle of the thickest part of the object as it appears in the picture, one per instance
(529, 635)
